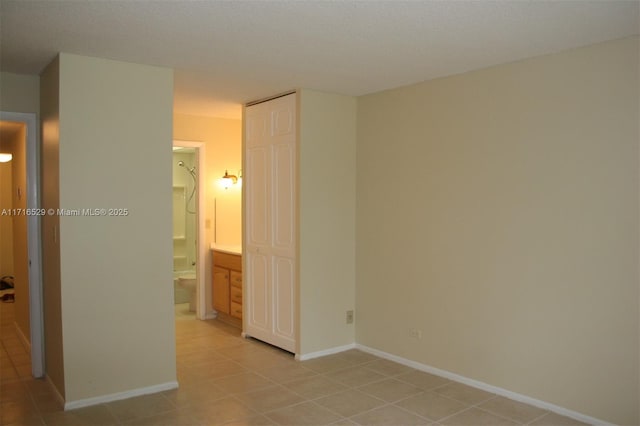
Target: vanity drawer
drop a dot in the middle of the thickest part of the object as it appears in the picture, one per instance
(236, 295)
(236, 310)
(226, 260)
(236, 279)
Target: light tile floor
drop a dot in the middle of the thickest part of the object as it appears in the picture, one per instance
(225, 379)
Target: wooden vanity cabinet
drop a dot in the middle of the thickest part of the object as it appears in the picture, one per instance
(227, 286)
(236, 294)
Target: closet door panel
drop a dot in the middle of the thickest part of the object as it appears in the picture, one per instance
(283, 302)
(258, 301)
(283, 210)
(270, 222)
(257, 184)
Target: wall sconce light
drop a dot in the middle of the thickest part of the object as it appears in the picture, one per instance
(228, 180)
(5, 157)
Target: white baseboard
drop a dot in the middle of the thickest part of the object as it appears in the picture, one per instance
(56, 393)
(325, 352)
(210, 315)
(119, 395)
(485, 387)
(22, 337)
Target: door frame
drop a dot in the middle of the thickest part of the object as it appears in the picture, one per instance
(34, 240)
(201, 300)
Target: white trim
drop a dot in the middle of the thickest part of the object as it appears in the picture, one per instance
(201, 299)
(211, 315)
(71, 405)
(325, 352)
(34, 241)
(53, 387)
(22, 337)
(485, 387)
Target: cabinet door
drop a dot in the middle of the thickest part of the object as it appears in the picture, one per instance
(270, 221)
(221, 289)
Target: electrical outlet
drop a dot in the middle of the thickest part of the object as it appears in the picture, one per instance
(415, 333)
(349, 317)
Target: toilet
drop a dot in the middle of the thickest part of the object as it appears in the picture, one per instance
(189, 283)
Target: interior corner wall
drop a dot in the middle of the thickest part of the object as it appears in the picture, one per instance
(497, 212)
(327, 189)
(50, 224)
(222, 140)
(115, 263)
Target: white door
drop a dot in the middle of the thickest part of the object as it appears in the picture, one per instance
(270, 221)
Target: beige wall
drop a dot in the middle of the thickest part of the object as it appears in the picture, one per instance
(19, 93)
(115, 137)
(222, 140)
(50, 224)
(497, 211)
(327, 155)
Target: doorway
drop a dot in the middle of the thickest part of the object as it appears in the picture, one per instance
(25, 194)
(188, 227)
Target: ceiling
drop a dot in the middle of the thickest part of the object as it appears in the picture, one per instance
(226, 53)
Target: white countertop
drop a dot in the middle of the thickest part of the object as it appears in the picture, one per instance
(227, 249)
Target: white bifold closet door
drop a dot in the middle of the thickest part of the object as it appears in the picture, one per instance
(270, 221)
